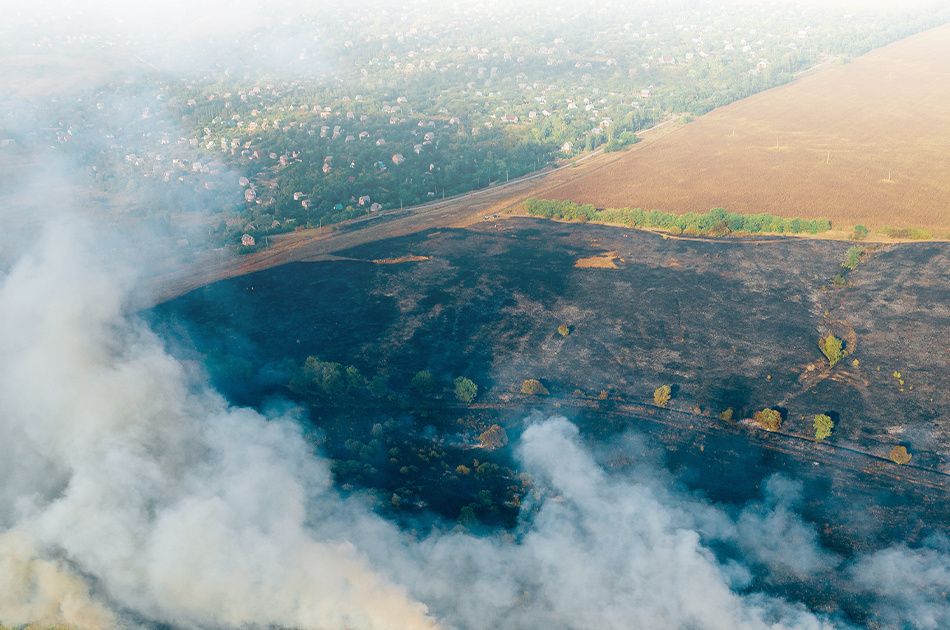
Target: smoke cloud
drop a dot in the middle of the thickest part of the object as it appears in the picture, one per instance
(120, 464)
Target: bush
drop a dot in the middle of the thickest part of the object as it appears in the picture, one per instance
(662, 395)
(768, 419)
(534, 388)
(563, 330)
(377, 387)
(913, 233)
(423, 382)
(831, 347)
(853, 257)
(465, 390)
(823, 426)
(726, 416)
(899, 455)
(494, 437)
(719, 229)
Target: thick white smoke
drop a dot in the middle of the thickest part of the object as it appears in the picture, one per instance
(119, 467)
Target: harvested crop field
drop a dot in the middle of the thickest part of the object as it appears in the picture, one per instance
(866, 142)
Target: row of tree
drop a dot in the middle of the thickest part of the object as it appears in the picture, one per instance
(716, 222)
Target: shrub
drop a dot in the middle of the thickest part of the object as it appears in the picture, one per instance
(719, 228)
(899, 455)
(726, 416)
(353, 377)
(823, 426)
(831, 348)
(423, 382)
(913, 233)
(494, 437)
(853, 257)
(534, 387)
(377, 387)
(768, 419)
(465, 390)
(662, 395)
(564, 330)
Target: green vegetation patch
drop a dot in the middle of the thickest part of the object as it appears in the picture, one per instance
(716, 222)
(913, 233)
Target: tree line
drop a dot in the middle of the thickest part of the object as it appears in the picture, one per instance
(716, 222)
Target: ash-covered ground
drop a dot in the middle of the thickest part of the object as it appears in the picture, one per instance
(725, 323)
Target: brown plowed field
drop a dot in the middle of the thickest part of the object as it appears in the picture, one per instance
(864, 142)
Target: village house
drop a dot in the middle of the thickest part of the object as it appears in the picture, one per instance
(247, 240)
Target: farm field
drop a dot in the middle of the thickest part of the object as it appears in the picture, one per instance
(865, 142)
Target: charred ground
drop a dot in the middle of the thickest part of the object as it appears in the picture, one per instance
(725, 323)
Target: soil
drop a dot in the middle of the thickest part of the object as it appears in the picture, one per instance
(725, 323)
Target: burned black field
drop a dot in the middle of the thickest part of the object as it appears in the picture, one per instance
(725, 323)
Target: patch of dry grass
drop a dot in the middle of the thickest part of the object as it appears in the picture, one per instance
(601, 261)
(401, 259)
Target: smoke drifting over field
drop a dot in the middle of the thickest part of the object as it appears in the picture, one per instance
(131, 490)
(132, 493)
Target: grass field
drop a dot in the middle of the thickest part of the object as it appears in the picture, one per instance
(866, 142)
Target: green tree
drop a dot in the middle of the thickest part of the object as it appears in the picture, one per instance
(564, 330)
(768, 419)
(353, 377)
(662, 395)
(831, 348)
(377, 387)
(423, 382)
(852, 258)
(467, 517)
(823, 426)
(534, 387)
(465, 390)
